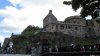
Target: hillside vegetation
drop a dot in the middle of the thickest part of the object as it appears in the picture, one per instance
(32, 35)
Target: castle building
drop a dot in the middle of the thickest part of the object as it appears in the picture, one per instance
(73, 25)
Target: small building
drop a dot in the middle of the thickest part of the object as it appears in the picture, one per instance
(73, 25)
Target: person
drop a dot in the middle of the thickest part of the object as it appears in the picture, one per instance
(94, 48)
(28, 49)
(50, 49)
(9, 50)
(4, 51)
(82, 48)
(56, 47)
(34, 51)
(73, 46)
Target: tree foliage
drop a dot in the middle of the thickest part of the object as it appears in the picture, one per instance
(31, 30)
(85, 41)
(88, 6)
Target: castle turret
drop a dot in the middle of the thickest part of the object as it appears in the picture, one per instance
(50, 18)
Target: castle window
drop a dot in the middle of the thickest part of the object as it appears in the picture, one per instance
(61, 27)
(69, 27)
(76, 28)
(52, 27)
(46, 26)
(56, 26)
(66, 26)
(89, 29)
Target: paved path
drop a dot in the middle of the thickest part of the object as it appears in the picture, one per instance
(13, 55)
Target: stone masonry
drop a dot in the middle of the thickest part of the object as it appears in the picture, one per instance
(73, 25)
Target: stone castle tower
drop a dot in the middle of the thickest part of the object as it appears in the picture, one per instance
(73, 25)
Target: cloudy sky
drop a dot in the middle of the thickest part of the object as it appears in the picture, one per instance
(16, 15)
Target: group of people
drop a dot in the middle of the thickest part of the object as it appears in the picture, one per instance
(77, 48)
(74, 47)
(70, 48)
(7, 50)
(95, 47)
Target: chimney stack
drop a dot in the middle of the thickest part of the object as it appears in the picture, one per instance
(50, 11)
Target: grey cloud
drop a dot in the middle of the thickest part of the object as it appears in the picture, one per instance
(10, 28)
(41, 2)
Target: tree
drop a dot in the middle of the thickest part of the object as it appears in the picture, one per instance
(89, 7)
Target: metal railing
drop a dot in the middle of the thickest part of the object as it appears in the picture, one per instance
(71, 53)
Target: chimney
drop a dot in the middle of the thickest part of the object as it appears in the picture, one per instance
(50, 11)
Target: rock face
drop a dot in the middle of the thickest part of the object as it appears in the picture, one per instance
(73, 25)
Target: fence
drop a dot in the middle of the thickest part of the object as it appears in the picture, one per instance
(87, 53)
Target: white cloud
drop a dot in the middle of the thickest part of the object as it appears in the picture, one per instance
(32, 13)
(1, 39)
